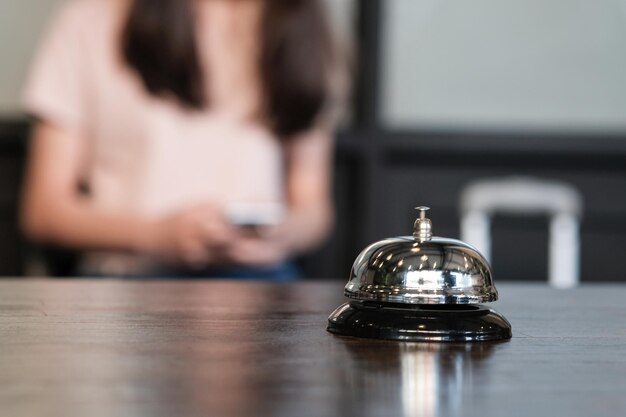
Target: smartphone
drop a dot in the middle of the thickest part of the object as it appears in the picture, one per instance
(255, 215)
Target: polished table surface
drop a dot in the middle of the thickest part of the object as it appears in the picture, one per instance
(220, 348)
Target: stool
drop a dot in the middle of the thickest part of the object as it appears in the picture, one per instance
(481, 199)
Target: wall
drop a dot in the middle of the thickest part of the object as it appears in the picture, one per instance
(21, 24)
(505, 64)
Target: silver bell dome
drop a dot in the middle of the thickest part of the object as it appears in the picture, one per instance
(421, 269)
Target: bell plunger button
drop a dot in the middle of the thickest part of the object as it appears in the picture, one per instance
(422, 228)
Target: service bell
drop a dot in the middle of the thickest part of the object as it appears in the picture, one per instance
(420, 288)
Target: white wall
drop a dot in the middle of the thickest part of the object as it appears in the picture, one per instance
(529, 64)
(21, 23)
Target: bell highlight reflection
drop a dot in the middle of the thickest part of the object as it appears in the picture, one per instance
(420, 288)
(426, 379)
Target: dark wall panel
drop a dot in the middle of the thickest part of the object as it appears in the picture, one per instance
(13, 136)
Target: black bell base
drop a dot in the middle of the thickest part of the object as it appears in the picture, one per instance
(419, 323)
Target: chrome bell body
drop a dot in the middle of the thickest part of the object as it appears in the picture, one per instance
(420, 288)
(436, 271)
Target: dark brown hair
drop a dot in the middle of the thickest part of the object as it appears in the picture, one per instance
(159, 43)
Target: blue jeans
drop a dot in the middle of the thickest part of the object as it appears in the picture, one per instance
(283, 272)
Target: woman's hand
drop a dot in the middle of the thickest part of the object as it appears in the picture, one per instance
(258, 247)
(196, 237)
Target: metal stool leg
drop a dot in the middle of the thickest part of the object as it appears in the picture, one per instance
(476, 230)
(564, 248)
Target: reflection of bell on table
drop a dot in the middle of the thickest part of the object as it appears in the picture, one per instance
(420, 288)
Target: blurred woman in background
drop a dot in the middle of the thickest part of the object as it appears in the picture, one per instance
(183, 137)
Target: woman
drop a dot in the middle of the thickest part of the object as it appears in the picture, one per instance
(179, 117)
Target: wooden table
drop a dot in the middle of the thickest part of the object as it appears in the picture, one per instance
(219, 348)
